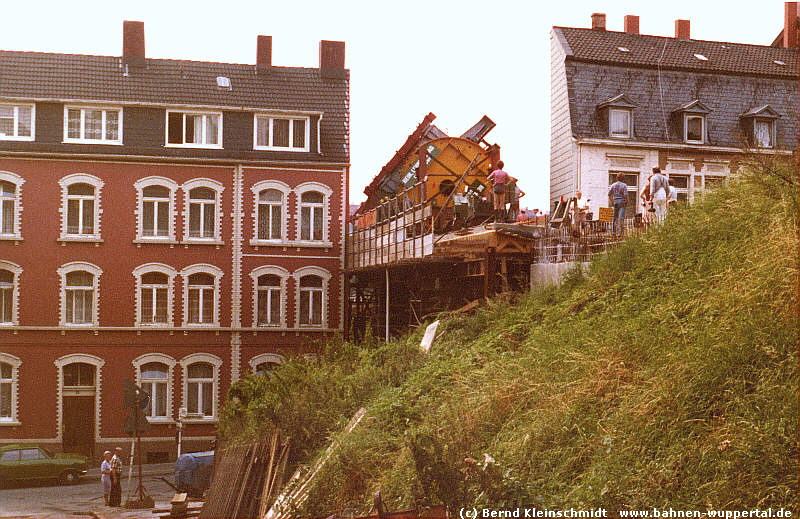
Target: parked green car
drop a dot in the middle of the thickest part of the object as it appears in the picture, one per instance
(28, 462)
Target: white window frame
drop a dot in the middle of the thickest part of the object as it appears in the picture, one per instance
(196, 113)
(216, 362)
(686, 117)
(170, 362)
(80, 178)
(17, 180)
(772, 132)
(326, 214)
(170, 272)
(269, 118)
(16, 270)
(629, 131)
(16, 136)
(140, 185)
(284, 275)
(218, 188)
(15, 363)
(82, 139)
(201, 268)
(261, 358)
(96, 273)
(284, 188)
(326, 276)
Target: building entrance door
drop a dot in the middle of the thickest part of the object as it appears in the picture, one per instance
(78, 408)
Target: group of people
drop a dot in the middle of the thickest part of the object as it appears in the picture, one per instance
(657, 196)
(111, 477)
(504, 191)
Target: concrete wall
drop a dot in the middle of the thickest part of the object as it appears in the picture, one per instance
(546, 274)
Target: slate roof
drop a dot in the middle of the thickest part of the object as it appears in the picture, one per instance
(37, 75)
(736, 79)
(646, 51)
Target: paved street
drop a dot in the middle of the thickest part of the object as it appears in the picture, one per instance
(49, 500)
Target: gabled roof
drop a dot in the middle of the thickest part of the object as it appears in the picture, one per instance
(694, 107)
(620, 101)
(764, 111)
(671, 53)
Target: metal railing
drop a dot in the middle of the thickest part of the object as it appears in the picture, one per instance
(400, 228)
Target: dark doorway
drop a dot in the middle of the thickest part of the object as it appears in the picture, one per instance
(79, 389)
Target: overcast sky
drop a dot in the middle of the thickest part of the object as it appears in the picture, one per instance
(459, 59)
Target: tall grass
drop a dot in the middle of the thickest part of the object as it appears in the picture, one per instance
(666, 377)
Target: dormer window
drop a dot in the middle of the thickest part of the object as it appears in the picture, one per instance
(619, 123)
(759, 125)
(618, 112)
(694, 128)
(692, 119)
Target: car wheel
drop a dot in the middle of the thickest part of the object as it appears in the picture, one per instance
(69, 477)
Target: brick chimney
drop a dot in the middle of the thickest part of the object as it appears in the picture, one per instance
(133, 43)
(264, 53)
(631, 24)
(599, 21)
(682, 29)
(331, 59)
(790, 24)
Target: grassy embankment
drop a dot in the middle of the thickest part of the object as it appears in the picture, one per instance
(667, 377)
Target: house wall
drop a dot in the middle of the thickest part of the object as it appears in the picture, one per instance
(563, 150)
(38, 339)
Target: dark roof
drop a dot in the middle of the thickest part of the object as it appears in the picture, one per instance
(37, 75)
(734, 81)
(673, 53)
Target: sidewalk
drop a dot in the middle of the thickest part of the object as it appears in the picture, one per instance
(153, 469)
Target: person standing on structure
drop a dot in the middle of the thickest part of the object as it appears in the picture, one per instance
(659, 188)
(499, 178)
(618, 199)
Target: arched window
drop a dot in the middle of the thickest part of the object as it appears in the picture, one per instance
(313, 214)
(154, 373)
(154, 379)
(203, 211)
(270, 199)
(9, 377)
(6, 296)
(269, 300)
(6, 390)
(201, 295)
(264, 363)
(154, 290)
(156, 209)
(81, 207)
(79, 295)
(312, 289)
(270, 215)
(201, 385)
(10, 205)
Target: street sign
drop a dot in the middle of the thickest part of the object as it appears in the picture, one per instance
(131, 425)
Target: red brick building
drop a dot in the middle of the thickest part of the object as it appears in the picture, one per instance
(175, 223)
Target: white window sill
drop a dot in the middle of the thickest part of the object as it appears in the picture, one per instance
(312, 244)
(10, 237)
(11, 423)
(146, 326)
(147, 239)
(79, 325)
(91, 141)
(202, 241)
(161, 420)
(269, 243)
(201, 325)
(209, 420)
(13, 138)
(195, 146)
(310, 326)
(80, 238)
